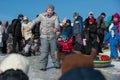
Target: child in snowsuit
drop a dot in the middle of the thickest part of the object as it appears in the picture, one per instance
(65, 44)
(114, 39)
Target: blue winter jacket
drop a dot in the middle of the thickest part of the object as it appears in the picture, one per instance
(114, 41)
(78, 25)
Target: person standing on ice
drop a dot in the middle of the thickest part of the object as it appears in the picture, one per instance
(114, 39)
(48, 28)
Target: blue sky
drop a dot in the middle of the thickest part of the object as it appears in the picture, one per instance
(9, 9)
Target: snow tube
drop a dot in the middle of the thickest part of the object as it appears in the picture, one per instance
(102, 61)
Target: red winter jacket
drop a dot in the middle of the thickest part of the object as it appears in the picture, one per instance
(66, 46)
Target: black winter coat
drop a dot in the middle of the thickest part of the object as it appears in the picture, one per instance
(36, 31)
(68, 30)
(16, 29)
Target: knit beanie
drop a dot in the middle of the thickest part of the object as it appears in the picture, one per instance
(50, 6)
(64, 35)
(20, 15)
(90, 13)
(68, 21)
(103, 14)
(25, 18)
(116, 15)
(75, 14)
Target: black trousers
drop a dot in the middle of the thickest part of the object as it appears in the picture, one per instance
(17, 44)
(4, 48)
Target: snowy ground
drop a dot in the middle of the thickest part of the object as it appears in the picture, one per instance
(34, 71)
(111, 73)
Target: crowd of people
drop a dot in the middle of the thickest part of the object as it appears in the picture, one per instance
(47, 33)
(24, 36)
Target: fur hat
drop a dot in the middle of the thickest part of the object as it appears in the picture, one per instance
(15, 61)
(82, 73)
(50, 6)
(116, 15)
